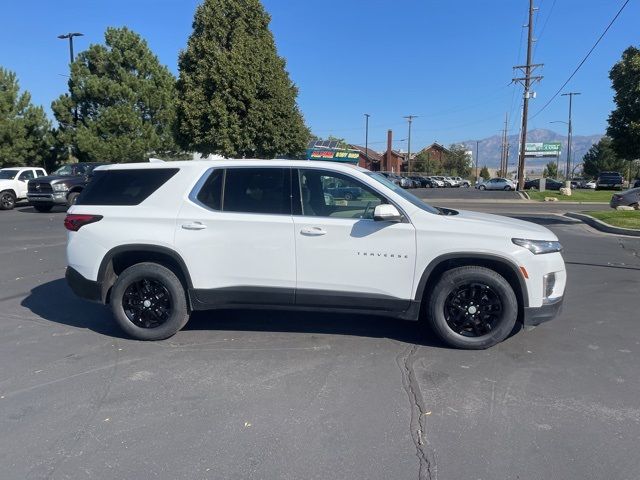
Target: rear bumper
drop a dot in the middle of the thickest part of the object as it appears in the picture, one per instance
(87, 289)
(537, 315)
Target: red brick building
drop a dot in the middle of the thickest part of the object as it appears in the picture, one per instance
(368, 159)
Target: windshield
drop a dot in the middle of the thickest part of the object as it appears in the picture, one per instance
(8, 174)
(403, 193)
(64, 170)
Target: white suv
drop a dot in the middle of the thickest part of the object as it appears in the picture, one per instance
(14, 182)
(158, 241)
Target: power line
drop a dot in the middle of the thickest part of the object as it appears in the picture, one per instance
(583, 60)
(544, 26)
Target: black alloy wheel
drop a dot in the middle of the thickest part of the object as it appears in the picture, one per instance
(147, 303)
(473, 310)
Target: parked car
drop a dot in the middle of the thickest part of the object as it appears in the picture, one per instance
(422, 182)
(157, 241)
(636, 184)
(391, 177)
(591, 184)
(496, 184)
(62, 187)
(451, 181)
(436, 182)
(13, 184)
(550, 184)
(446, 181)
(462, 182)
(348, 193)
(609, 181)
(412, 183)
(628, 198)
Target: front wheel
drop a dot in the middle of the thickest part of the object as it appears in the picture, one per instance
(72, 198)
(149, 302)
(472, 308)
(7, 201)
(507, 188)
(482, 187)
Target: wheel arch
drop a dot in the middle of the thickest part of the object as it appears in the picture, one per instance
(505, 267)
(121, 257)
(10, 190)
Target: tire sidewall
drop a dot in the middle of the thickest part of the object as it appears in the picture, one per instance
(463, 275)
(11, 196)
(170, 281)
(72, 197)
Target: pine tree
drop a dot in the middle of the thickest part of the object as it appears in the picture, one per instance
(235, 97)
(24, 128)
(624, 121)
(123, 99)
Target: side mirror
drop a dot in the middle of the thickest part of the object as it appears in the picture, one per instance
(386, 213)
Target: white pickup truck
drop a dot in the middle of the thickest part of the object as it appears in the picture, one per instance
(13, 184)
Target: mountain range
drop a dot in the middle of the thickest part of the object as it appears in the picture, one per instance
(489, 149)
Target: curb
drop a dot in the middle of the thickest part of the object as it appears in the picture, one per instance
(603, 227)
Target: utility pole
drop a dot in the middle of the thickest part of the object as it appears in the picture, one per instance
(505, 147)
(526, 81)
(409, 119)
(366, 138)
(569, 134)
(477, 177)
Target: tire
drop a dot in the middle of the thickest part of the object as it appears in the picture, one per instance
(465, 291)
(43, 208)
(7, 200)
(507, 188)
(482, 187)
(153, 283)
(72, 197)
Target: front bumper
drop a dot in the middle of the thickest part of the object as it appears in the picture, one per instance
(536, 315)
(57, 198)
(87, 289)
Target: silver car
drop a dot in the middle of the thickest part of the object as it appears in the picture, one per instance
(496, 184)
(628, 198)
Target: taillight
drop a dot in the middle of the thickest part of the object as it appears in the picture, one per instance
(74, 221)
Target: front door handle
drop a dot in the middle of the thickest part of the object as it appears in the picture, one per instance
(194, 226)
(313, 231)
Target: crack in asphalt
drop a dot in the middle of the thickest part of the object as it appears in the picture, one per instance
(627, 248)
(424, 451)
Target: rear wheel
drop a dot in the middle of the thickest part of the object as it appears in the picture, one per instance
(149, 302)
(43, 208)
(348, 196)
(482, 187)
(472, 307)
(7, 200)
(507, 188)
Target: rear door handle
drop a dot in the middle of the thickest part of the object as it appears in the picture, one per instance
(194, 226)
(313, 231)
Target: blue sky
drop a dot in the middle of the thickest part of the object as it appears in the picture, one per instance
(447, 62)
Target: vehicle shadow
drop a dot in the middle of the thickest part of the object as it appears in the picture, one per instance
(55, 302)
(30, 209)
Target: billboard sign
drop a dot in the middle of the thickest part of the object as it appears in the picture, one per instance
(334, 154)
(543, 149)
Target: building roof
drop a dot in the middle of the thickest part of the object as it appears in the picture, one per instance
(435, 146)
(372, 154)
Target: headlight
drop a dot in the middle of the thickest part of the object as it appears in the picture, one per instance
(60, 187)
(538, 247)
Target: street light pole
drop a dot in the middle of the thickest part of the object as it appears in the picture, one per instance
(70, 37)
(366, 138)
(409, 119)
(570, 133)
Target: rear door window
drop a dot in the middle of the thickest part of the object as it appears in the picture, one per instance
(257, 190)
(124, 187)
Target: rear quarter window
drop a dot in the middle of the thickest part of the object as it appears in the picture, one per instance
(124, 187)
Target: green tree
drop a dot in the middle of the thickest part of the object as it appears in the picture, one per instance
(124, 99)
(484, 173)
(624, 121)
(235, 97)
(551, 170)
(423, 163)
(24, 129)
(457, 162)
(601, 157)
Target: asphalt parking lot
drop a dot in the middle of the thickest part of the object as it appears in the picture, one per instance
(252, 394)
